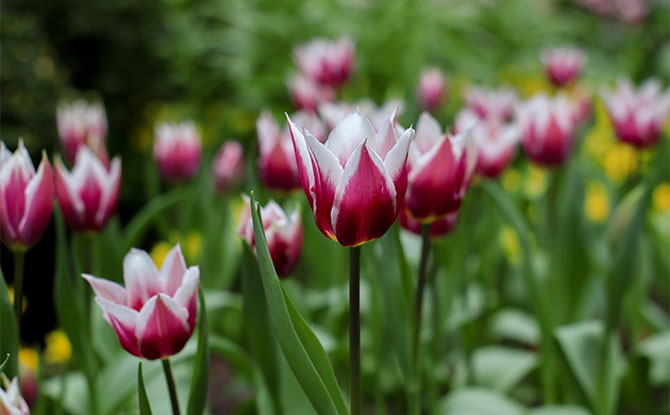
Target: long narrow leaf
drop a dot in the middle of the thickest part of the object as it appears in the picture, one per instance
(197, 397)
(145, 408)
(141, 221)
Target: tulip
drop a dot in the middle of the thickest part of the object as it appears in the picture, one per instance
(29, 388)
(493, 103)
(26, 198)
(177, 150)
(547, 129)
(283, 234)
(638, 116)
(333, 113)
(356, 181)
(88, 194)
(228, 168)
(155, 314)
(437, 228)
(326, 62)
(276, 163)
(431, 90)
(563, 65)
(311, 122)
(82, 124)
(307, 94)
(11, 401)
(441, 168)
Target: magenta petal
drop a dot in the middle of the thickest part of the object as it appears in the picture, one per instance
(277, 168)
(39, 196)
(303, 161)
(123, 321)
(165, 330)
(328, 174)
(107, 289)
(67, 199)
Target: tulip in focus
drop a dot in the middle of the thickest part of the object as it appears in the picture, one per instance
(283, 234)
(277, 168)
(441, 166)
(26, 198)
(177, 150)
(155, 314)
(638, 115)
(307, 94)
(11, 401)
(356, 181)
(437, 228)
(228, 169)
(88, 194)
(563, 65)
(491, 103)
(547, 129)
(326, 62)
(431, 90)
(82, 124)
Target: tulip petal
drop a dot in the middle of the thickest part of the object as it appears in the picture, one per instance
(109, 290)
(172, 271)
(110, 193)
(304, 161)
(141, 278)
(267, 130)
(386, 137)
(124, 321)
(365, 199)
(39, 199)
(348, 134)
(187, 294)
(428, 132)
(68, 197)
(162, 327)
(328, 173)
(396, 164)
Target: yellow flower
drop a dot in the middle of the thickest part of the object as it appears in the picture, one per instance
(193, 246)
(59, 349)
(510, 243)
(29, 359)
(536, 182)
(596, 203)
(661, 198)
(159, 252)
(511, 180)
(620, 161)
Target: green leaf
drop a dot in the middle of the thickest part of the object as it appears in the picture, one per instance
(558, 410)
(501, 368)
(477, 401)
(289, 342)
(9, 336)
(514, 324)
(657, 349)
(141, 221)
(197, 397)
(4, 363)
(145, 408)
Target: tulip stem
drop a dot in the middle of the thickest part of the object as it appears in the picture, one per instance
(355, 329)
(171, 386)
(18, 287)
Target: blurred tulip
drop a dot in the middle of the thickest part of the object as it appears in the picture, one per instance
(177, 150)
(491, 103)
(638, 115)
(431, 90)
(547, 129)
(155, 314)
(441, 166)
(437, 228)
(228, 168)
(283, 234)
(334, 112)
(307, 94)
(563, 65)
(311, 122)
(11, 401)
(581, 100)
(326, 62)
(26, 197)
(82, 124)
(277, 168)
(29, 388)
(632, 11)
(356, 181)
(88, 194)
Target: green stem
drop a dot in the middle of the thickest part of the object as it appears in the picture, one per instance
(19, 257)
(171, 386)
(355, 329)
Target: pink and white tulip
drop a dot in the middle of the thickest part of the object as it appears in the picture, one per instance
(177, 150)
(491, 103)
(326, 62)
(11, 401)
(334, 112)
(26, 197)
(307, 94)
(277, 168)
(441, 168)
(228, 168)
(638, 115)
(356, 181)
(82, 124)
(283, 233)
(432, 89)
(563, 65)
(547, 129)
(88, 194)
(155, 314)
(438, 227)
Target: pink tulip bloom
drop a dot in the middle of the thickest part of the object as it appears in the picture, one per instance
(82, 124)
(356, 181)
(326, 62)
(277, 168)
(441, 168)
(155, 314)
(563, 65)
(228, 168)
(307, 94)
(334, 112)
(491, 103)
(283, 234)
(311, 122)
(547, 128)
(638, 115)
(438, 227)
(177, 150)
(26, 197)
(88, 194)
(432, 89)
(11, 401)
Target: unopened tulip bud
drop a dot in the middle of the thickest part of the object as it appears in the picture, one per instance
(491, 103)
(277, 167)
(82, 124)
(307, 94)
(228, 169)
(177, 151)
(563, 65)
(432, 89)
(326, 62)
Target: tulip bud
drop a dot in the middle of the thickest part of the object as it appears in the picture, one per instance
(88, 194)
(26, 197)
(638, 115)
(177, 150)
(29, 388)
(494, 103)
(82, 124)
(356, 181)
(563, 65)
(441, 166)
(155, 314)
(438, 227)
(547, 129)
(283, 234)
(431, 90)
(228, 168)
(277, 168)
(11, 401)
(326, 62)
(307, 94)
